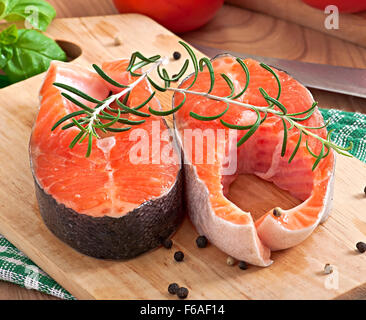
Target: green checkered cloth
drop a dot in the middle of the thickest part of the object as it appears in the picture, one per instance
(17, 268)
(348, 126)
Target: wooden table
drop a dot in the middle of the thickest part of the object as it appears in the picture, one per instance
(226, 31)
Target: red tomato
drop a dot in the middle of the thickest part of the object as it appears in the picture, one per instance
(176, 15)
(348, 6)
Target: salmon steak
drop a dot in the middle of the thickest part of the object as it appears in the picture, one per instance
(211, 165)
(104, 205)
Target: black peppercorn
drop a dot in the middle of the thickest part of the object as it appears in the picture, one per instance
(276, 212)
(361, 246)
(328, 269)
(176, 55)
(243, 265)
(167, 243)
(182, 293)
(173, 288)
(364, 190)
(179, 256)
(201, 242)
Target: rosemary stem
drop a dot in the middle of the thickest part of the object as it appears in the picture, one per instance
(326, 142)
(253, 107)
(116, 96)
(223, 99)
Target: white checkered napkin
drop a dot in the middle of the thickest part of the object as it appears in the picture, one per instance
(17, 268)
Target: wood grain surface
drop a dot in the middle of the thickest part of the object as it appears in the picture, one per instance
(245, 31)
(351, 26)
(83, 8)
(256, 33)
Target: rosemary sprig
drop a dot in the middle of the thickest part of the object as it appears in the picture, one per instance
(92, 121)
(88, 120)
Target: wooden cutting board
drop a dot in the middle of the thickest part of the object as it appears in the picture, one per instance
(296, 273)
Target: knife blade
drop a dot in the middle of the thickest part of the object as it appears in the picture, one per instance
(345, 80)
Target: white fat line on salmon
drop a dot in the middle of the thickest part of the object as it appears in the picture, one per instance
(114, 97)
(106, 145)
(152, 310)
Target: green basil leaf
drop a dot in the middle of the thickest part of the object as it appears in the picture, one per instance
(4, 81)
(37, 13)
(6, 53)
(9, 35)
(32, 54)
